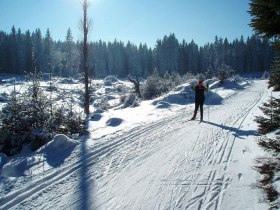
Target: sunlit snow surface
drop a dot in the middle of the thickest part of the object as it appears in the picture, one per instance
(147, 157)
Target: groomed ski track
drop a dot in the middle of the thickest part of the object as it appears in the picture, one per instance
(170, 164)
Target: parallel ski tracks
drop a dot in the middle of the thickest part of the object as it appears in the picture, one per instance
(50, 177)
(136, 136)
(215, 184)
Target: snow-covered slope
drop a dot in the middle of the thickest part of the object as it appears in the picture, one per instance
(149, 157)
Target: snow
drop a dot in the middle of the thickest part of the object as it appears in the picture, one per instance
(53, 154)
(149, 157)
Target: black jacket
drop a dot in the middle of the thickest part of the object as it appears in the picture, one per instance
(199, 93)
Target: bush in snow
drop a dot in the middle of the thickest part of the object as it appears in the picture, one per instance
(109, 80)
(172, 80)
(101, 103)
(31, 118)
(237, 78)
(200, 76)
(152, 88)
(155, 85)
(130, 100)
(224, 72)
(120, 88)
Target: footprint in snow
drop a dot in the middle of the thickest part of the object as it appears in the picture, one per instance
(239, 176)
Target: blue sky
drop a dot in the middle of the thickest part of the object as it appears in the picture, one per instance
(138, 21)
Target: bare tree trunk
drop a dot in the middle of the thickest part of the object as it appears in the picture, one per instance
(85, 57)
(136, 85)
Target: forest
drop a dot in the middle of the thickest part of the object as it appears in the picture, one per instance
(24, 52)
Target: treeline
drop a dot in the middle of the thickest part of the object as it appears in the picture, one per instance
(23, 52)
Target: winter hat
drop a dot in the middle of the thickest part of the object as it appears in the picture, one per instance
(200, 82)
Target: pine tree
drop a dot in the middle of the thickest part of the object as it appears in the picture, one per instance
(31, 118)
(69, 52)
(274, 80)
(265, 17)
(21, 52)
(38, 49)
(28, 49)
(271, 109)
(48, 52)
(13, 55)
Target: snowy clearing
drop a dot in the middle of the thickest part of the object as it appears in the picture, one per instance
(149, 157)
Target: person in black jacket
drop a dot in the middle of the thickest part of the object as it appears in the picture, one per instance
(199, 98)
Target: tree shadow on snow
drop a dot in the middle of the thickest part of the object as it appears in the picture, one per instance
(237, 132)
(85, 184)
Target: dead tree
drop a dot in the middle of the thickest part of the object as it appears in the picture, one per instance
(85, 29)
(136, 85)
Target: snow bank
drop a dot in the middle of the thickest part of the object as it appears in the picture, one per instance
(17, 168)
(50, 155)
(114, 122)
(59, 144)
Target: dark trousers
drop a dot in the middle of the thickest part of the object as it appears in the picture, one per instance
(198, 104)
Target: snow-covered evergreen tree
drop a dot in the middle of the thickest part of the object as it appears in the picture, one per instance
(224, 72)
(271, 110)
(274, 80)
(31, 118)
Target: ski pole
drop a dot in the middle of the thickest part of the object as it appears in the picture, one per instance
(185, 108)
(208, 102)
(208, 106)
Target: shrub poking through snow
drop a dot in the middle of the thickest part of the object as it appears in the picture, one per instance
(156, 85)
(31, 118)
(109, 80)
(101, 103)
(130, 100)
(224, 72)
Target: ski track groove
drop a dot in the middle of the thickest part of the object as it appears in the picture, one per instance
(19, 196)
(225, 152)
(212, 155)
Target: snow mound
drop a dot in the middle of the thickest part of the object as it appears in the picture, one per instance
(167, 100)
(162, 105)
(96, 117)
(21, 167)
(114, 122)
(59, 143)
(50, 155)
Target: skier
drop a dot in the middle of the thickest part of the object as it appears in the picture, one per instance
(199, 98)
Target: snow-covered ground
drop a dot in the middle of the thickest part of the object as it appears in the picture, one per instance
(149, 157)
